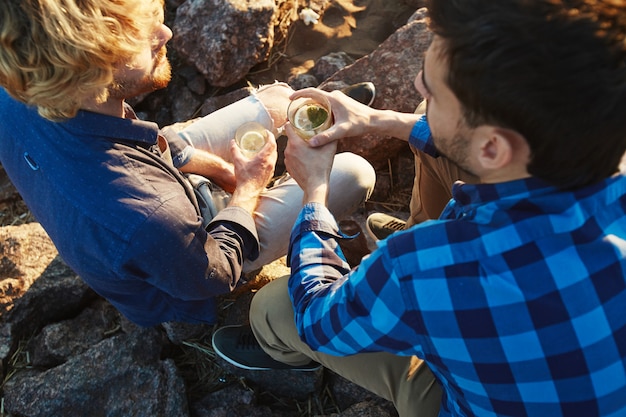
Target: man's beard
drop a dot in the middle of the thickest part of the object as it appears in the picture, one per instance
(159, 78)
(456, 149)
(162, 73)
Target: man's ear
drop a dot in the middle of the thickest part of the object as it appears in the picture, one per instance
(500, 147)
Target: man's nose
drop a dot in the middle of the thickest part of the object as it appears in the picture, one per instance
(164, 35)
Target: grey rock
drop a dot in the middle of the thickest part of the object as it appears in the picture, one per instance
(224, 39)
(195, 80)
(329, 64)
(36, 287)
(300, 81)
(283, 383)
(392, 67)
(178, 332)
(346, 394)
(58, 342)
(120, 376)
(367, 409)
(173, 3)
(185, 104)
(416, 4)
(229, 401)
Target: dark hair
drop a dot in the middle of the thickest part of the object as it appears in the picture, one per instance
(552, 70)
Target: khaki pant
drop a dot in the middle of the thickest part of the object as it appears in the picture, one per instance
(432, 187)
(271, 317)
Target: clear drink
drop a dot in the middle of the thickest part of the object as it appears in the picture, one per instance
(310, 116)
(251, 137)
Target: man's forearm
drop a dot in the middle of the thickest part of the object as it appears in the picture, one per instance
(317, 194)
(213, 167)
(245, 200)
(394, 124)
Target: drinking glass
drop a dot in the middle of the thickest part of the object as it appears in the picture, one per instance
(251, 137)
(310, 116)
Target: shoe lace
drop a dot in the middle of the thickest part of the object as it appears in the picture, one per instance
(247, 341)
(395, 225)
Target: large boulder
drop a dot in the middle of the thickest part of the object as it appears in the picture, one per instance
(119, 376)
(392, 67)
(224, 39)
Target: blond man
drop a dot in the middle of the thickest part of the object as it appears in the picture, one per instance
(111, 190)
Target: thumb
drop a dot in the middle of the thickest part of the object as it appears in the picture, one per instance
(321, 139)
(235, 151)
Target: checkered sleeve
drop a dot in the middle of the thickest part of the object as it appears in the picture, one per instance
(421, 137)
(339, 311)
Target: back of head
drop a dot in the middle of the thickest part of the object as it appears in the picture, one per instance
(552, 70)
(56, 53)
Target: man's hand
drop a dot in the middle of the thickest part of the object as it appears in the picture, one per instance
(309, 166)
(252, 174)
(352, 119)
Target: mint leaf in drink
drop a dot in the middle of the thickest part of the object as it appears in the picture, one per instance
(317, 115)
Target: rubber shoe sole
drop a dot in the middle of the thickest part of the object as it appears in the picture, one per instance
(238, 346)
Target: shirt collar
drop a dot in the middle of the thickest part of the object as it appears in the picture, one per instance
(470, 194)
(128, 128)
(466, 197)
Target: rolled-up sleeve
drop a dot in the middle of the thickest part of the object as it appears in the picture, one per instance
(339, 311)
(180, 150)
(173, 252)
(422, 139)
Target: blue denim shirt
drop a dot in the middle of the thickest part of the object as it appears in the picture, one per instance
(122, 217)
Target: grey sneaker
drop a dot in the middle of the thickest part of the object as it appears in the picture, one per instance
(364, 92)
(238, 346)
(381, 225)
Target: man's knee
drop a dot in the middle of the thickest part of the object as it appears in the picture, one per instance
(360, 172)
(275, 99)
(271, 300)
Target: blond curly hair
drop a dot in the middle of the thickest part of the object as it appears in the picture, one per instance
(56, 53)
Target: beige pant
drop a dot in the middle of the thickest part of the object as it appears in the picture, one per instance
(271, 317)
(432, 186)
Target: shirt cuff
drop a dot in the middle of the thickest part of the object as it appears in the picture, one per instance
(421, 137)
(315, 217)
(180, 150)
(240, 221)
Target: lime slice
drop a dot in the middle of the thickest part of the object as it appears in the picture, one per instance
(252, 141)
(310, 116)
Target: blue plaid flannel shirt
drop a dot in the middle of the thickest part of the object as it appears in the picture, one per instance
(515, 297)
